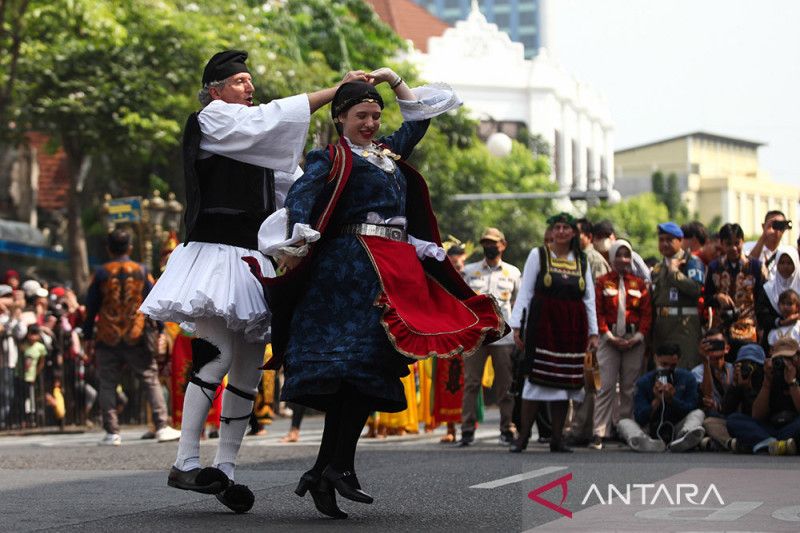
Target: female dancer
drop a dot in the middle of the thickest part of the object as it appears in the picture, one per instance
(373, 291)
(558, 291)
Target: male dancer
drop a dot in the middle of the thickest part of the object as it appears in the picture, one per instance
(239, 161)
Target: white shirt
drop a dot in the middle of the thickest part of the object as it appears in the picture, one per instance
(269, 135)
(765, 255)
(501, 281)
(529, 274)
(791, 331)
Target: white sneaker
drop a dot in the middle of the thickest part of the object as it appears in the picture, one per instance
(167, 434)
(688, 441)
(645, 444)
(111, 439)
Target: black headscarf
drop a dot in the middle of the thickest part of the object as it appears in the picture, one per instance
(353, 93)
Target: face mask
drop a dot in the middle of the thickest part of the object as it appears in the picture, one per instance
(491, 252)
(602, 245)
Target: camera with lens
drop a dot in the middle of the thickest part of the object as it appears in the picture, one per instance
(781, 225)
(746, 369)
(664, 375)
(778, 366)
(715, 345)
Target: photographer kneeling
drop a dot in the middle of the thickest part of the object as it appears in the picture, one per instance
(665, 408)
(775, 420)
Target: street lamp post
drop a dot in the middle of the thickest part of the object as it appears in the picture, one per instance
(152, 219)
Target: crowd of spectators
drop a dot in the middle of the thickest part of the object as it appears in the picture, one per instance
(697, 348)
(721, 320)
(43, 368)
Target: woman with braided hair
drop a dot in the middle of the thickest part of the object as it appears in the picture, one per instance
(558, 292)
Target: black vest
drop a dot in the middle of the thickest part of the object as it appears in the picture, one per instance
(226, 200)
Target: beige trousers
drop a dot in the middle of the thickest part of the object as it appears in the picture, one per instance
(616, 367)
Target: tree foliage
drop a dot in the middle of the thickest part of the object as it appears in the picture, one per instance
(667, 191)
(112, 82)
(635, 219)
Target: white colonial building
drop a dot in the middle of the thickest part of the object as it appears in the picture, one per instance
(505, 91)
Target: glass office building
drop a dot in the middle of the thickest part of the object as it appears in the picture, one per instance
(520, 19)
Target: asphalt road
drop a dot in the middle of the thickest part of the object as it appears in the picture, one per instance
(68, 483)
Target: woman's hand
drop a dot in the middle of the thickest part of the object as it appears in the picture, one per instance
(384, 74)
(288, 262)
(518, 339)
(356, 75)
(593, 343)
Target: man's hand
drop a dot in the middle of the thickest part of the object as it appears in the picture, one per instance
(725, 301)
(710, 404)
(768, 372)
(738, 380)
(658, 388)
(789, 371)
(669, 392)
(518, 339)
(673, 264)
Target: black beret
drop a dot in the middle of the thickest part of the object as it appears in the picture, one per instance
(224, 65)
(353, 93)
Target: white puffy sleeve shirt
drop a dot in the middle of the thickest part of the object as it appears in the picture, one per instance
(526, 292)
(269, 135)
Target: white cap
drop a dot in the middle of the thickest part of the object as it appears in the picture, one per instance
(31, 287)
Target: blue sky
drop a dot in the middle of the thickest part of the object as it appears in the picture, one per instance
(730, 67)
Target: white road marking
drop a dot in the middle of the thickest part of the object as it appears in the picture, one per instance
(519, 477)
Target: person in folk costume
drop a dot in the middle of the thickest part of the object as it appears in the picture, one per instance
(558, 292)
(446, 378)
(373, 291)
(239, 161)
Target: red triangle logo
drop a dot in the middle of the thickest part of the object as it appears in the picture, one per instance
(560, 482)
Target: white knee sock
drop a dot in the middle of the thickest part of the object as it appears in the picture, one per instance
(195, 410)
(231, 432)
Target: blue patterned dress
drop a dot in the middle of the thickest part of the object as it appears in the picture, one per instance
(336, 336)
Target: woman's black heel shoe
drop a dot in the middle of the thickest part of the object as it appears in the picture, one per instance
(322, 493)
(347, 485)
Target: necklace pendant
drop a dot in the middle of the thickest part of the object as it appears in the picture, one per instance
(365, 153)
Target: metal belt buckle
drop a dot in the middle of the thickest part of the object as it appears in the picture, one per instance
(396, 234)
